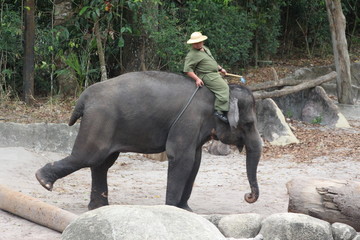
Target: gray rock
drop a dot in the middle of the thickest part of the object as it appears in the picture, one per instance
(139, 223)
(214, 218)
(342, 231)
(292, 226)
(218, 148)
(357, 237)
(313, 106)
(319, 105)
(272, 125)
(240, 225)
(258, 237)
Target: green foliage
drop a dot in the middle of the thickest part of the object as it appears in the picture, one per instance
(289, 114)
(229, 30)
(168, 40)
(240, 33)
(306, 26)
(10, 50)
(317, 120)
(266, 18)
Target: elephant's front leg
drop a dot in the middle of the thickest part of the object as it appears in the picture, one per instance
(183, 167)
(99, 186)
(190, 183)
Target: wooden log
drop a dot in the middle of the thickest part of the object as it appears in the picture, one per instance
(303, 85)
(273, 84)
(35, 210)
(327, 199)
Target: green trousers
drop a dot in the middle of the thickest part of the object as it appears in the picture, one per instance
(220, 88)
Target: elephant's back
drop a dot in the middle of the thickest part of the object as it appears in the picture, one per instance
(157, 82)
(147, 89)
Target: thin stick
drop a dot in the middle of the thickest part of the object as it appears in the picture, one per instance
(233, 75)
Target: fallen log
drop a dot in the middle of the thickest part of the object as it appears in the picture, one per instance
(303, 85)
(326, 199)
(273, 84)
(34, 210)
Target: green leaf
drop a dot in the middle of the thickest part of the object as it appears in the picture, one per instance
(83, 10)
(97, 11)
(94, 16)
(126, 29)
(121, 42)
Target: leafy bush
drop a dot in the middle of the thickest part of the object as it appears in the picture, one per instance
(229, 29)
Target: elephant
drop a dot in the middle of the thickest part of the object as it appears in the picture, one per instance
(136, 112)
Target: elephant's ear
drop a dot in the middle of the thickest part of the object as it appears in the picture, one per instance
(233, 114)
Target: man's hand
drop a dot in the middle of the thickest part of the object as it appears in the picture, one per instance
(198, 81)
(223, 71)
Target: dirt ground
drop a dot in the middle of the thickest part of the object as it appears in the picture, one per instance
(219, 187)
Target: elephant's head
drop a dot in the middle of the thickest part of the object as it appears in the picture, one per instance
(243, 132)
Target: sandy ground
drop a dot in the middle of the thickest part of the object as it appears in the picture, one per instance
(219, 187)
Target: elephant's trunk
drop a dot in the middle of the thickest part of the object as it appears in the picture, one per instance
(253, 154)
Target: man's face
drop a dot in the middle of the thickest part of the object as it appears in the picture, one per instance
(198, 45)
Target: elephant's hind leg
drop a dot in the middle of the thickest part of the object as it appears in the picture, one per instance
(99, 186)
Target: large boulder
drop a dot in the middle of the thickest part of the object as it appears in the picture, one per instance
(313, 106)
(140, 222)
(240, 225)
(343, 231)
(272, 125)
(285, 226)
(218, 148)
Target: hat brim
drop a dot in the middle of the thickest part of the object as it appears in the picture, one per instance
(200, 39)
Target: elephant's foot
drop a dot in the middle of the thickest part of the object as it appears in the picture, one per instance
(99, 201)
(44, 179)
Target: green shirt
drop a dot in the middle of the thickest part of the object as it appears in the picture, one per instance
(200, 62)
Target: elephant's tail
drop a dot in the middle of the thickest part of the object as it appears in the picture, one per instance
(77, 113)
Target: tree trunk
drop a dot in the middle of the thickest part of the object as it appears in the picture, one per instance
(29, 53)
(341, 55)
(327, 199)
(100, 51)
(303, 85)
(67, 82)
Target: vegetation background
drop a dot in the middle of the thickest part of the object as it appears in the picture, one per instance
(71, 36)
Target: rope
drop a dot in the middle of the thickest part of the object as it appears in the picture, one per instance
(185, 107)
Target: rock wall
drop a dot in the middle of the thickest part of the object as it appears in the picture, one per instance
(39, 136)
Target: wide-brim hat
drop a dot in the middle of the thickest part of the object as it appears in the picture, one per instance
(196, 37)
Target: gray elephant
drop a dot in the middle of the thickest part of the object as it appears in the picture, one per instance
(136, 112)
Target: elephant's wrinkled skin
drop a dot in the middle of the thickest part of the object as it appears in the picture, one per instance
(134, 113)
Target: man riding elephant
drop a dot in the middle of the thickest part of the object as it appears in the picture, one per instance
(201, 66)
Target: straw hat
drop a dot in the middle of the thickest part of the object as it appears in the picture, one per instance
(196, 37)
